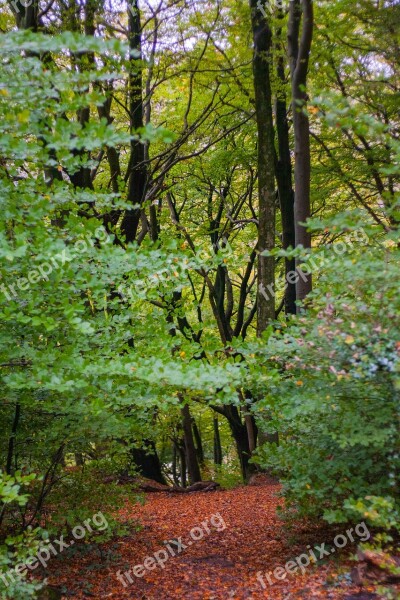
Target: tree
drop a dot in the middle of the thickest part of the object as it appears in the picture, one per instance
(262, 40)
(136, 171)
(300, 34)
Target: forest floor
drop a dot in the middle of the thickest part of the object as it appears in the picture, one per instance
(247, 537)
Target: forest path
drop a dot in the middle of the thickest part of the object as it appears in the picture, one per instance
(241, 534)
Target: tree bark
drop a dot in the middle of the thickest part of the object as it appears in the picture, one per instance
(174, 463)
(217, 443)
(199, 443)
(262, 39)
(251, 432)
(191, 455)
(147, 462)
(11, 440)
(301, 17)
(136, 169)
(182, 460)
(284, 177)
(240, 435)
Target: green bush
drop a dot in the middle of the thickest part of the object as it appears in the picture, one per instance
(16, 549)
(83, 492)
(336, 402)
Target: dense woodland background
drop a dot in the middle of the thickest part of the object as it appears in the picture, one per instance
(165, 167)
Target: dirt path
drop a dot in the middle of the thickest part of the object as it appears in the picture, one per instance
(241, 535)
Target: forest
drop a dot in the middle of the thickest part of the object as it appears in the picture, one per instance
(199, 299)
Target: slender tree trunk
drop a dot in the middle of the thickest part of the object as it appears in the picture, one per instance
(262, 39)
(240, 435)
(251, 432)
(284, 177)
(11, 441)
(174, 464)
(191, 455)
(82, 177)
(300, 36)
(27, 17)
(262, 57)
(217, 443)
(137, 169)
(147, 462)
(182, 460)
(199, 443)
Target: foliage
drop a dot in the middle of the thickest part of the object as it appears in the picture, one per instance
(80, 493)
(17, 548)
(108, 132)
(61, 274)
(381, 512)
(228, 474)
(336, 404)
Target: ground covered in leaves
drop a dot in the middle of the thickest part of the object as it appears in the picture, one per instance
(222, 565)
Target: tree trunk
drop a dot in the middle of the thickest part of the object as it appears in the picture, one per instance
(217, 443)
(251, 432)
(182, 460)
(240, 435)
(199, 443)
(136, 168)
(191, 455)
(12, 438)
(242, 445)
(301, 17)
(262, 38)
(147, 462)
(174, 463)
(284, 177)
